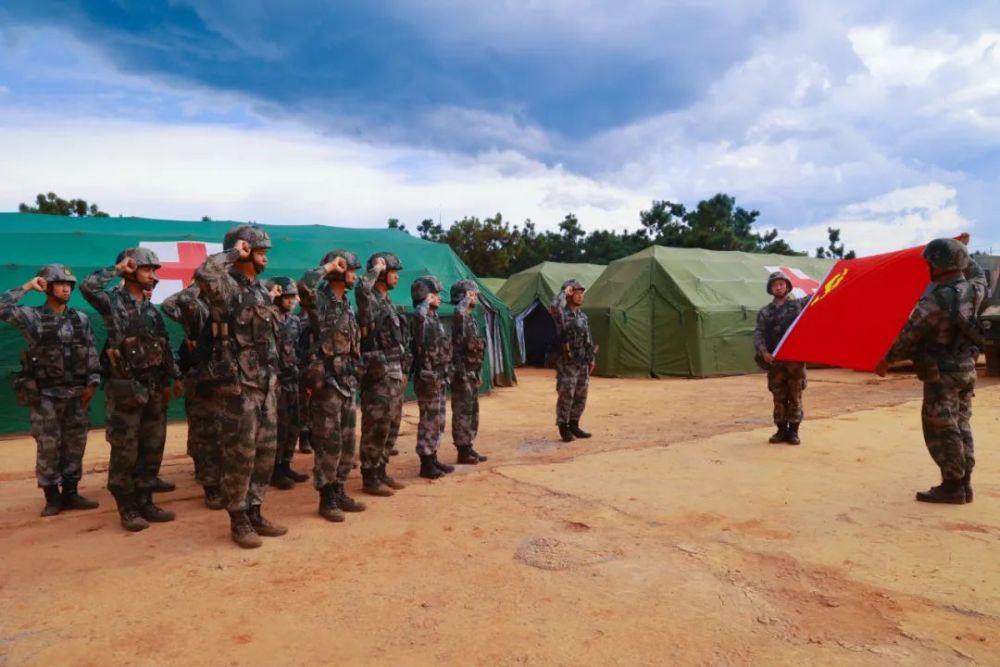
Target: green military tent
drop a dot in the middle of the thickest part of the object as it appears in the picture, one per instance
(88, 244)
(688, 312)
(493, 284)
(529, 293)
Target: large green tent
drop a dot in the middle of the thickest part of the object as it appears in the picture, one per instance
(688, 312)
(529, 293)
(88, 244)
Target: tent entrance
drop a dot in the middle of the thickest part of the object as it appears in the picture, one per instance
(535, 333)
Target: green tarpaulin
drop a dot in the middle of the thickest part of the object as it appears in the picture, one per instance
(493, 284)
(529, 293)
(88, 244)
(687, 312)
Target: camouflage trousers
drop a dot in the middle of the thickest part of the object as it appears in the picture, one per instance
(59, 426)
(137, 436)
(786, 381)
(572, 384)
(945, 417)
(381, 414)
(332, 422)
(248, 423)
(432, 402)
(464, 412)
(289, 421)
(203, 433)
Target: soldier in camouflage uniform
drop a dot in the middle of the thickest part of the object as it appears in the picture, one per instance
(290, 411)
(468, 348)
(332, 378)
(60, 374)
(141, 369)
(431, 370)
(943, 340)
(385, 355)
(576, 359)
(244, 373)
(191, 310)
(785, 379)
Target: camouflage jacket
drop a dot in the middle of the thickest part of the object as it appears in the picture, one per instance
(384, 334)
(245, 309)
(61, 354)
(773, 321)
(933, 337)
(431, 346)
(190, 309)
(572, 332)
(467, 345)
(335, 335)
(137, 334)
(290, 327)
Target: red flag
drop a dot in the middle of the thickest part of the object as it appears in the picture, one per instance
(856, 314)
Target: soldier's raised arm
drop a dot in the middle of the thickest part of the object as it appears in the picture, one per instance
(94, 288)
(558, 309)
(365, 294)
(10, 312)
(220, 288)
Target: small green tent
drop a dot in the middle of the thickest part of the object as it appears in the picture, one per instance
(493, 284)
(88, 244)
(529, 293)
(688, 312)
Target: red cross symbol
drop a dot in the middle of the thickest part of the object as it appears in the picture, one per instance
(190, 255)
(800, 280)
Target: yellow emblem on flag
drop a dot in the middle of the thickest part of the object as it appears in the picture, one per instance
(831, 284)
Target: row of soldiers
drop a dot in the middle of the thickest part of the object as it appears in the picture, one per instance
(249, 380)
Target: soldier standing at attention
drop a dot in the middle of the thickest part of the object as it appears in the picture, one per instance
(60, 374)
(385, 355)
(332, 378)
(785, 379)
(289, 406)
(141, 369)
(190, 309)
(943, 340)
(576, 359)
(432, 369)
(247, 378)
(468, 348)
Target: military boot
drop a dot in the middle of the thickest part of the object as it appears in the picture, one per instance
(372, 485)
(565, 433)
(279, 481)
(213, 498)
(384, 477)
(71, 500)
(478, 455)
(163, 486)
(950, 491)
(304, 445)
(328, 504)
(443, 467)
(345, 502)
(262, 526)
(574, 428)
(780, 434)
(53, 501)
(792, 436)
(466, 455)
(131, 520)
(241, 531)
(296, 477)
(427, 467)
(149, 511)
(967, 483)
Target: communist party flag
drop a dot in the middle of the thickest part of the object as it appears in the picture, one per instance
(856, 314)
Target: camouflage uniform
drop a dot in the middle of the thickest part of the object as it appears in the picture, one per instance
(432, 370)
(576, 354)
(290, 410)
(468, 349)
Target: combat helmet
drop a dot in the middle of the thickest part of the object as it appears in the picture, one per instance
(424, 286)
(56, 273)
(141, 257)
(574, 283)
(287, 285)
(775, 277)
(947, 255)
(257, 237)
(460, 289)
(352, 262)
(392, 262)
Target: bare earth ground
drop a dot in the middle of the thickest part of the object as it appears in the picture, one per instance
(676, 536)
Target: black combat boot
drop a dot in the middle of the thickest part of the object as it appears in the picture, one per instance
(967, 483)
(780, 434)
(574, 428)
(279, 480)
(241, 531)
(53, 501)
(131, 520)
(296, 477)
(262, 526)
(443, 467)
(213, 498)
(328, 504)
(163, 486)
(372, 484)
(304, 445)
(792, 436)
(149, 511)
(345, 502)
(466, 455)
(950, 491)
(71, 500)
(384, 477)
(427, 467)
(565, 433)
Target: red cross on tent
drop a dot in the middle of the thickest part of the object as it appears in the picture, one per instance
(178, 261)
(802, 284)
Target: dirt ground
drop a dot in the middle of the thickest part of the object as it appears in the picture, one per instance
(676, 536)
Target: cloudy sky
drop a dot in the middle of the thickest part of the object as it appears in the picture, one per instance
(883, 121)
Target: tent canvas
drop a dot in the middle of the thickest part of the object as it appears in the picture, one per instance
(687, 312)
(493, 284)
(88, 244)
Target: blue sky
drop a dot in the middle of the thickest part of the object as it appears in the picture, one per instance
(882, 121)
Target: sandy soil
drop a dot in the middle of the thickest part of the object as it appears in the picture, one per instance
(676, 536)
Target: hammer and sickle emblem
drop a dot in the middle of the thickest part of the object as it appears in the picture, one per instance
(830, 285)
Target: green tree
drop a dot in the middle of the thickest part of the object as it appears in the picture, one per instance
(52, 204)
(835, 250)
(393, 223)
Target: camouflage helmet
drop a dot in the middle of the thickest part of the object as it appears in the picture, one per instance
(574, 283)
(460, 289)
(56, 273)
(423, 286)
(352, 262)
(287, 285)
(392, 262)
(775, 277)
(257, 237)
(947, 255)
(141, 257)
